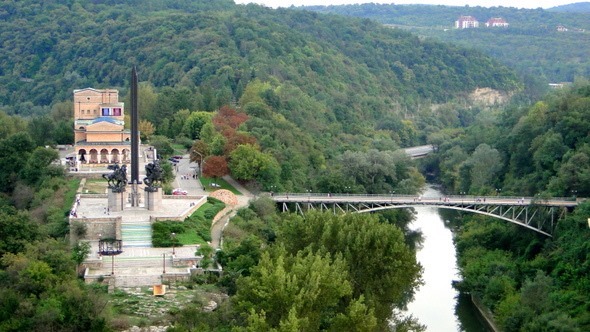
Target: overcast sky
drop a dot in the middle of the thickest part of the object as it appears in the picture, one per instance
(484, 3)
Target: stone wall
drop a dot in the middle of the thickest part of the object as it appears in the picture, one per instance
(108, 227)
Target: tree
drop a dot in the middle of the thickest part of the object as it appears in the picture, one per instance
(39, 165)
(162, 144)
(146, 129)
(377, 171)
(248, 163)
(206, 251)
(228, 117)
(195, 122)
(485, 163)
(16, 229)
(215, 167)
(305, 290)
(381, 266)
(253, 92)
(14, 152)
(80, 252)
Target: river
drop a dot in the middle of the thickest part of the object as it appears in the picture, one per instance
(437, 304)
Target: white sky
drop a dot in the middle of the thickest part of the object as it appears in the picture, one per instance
(473, 3)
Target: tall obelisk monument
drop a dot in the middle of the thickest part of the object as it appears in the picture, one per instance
(134, 140)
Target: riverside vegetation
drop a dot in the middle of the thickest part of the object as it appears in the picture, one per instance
(282, 100)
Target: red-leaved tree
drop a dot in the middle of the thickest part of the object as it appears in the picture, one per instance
(215, 167)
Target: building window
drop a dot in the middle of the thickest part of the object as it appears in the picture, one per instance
(117, 111)
(106, 111)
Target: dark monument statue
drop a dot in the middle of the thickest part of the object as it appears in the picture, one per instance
(117, 180)
(154, 176)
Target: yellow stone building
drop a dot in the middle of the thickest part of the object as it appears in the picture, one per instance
(100, 136)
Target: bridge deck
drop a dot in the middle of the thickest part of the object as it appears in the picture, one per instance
(422, 200)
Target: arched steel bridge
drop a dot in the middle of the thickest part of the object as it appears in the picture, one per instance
(539, 215)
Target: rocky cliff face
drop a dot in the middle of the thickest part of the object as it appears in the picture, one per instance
(489, 97)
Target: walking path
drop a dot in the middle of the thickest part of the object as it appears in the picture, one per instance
(222, 218)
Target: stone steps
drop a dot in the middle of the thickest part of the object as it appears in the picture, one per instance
(137, 234)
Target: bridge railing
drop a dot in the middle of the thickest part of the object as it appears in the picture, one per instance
(401, 196)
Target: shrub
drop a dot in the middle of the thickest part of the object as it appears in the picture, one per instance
(162, 230)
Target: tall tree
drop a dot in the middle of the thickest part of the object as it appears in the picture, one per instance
(215, 167)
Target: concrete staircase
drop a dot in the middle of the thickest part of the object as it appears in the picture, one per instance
(136, 234)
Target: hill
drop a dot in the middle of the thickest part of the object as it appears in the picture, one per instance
(531, 44)
(222, 46)
(578, 7)
(314, 86)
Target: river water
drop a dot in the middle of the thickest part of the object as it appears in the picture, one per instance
(437, 304)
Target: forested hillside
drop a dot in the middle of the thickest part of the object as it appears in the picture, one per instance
(577, 7)
(312, 86)
(531, 282)
(531, 44)
(217, 47)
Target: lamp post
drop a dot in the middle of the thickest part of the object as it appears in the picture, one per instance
(308, 194)
(347, 189)
(574, 193)
(392, 192)
(498, 191)
(173, 236)
(164, 263)
(462, 196)
(99, 238)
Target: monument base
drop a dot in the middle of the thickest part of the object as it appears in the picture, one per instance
(116, 202)
(153, 198)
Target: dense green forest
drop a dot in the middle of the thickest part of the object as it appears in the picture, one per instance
(577, 7)
(319, 90)
(531, 44)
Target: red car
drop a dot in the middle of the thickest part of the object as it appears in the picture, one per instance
(179, 191)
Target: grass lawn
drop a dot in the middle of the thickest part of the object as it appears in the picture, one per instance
(195, 229)
(95, 186)
(221, 182)
(178, 149)
(70, 195)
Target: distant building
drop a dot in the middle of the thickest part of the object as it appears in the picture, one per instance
(465, 22)
(100, 136)
(561, 28)
(496, 22)
(559, 85)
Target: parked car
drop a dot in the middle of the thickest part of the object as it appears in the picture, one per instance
(179, 191)
(177, 157)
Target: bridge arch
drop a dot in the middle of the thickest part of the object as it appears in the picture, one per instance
(457, 208)
(540, 216)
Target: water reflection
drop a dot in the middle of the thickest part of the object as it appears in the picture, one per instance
(437, 304)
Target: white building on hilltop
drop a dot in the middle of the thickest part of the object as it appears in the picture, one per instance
(465, 22)
(496, 22)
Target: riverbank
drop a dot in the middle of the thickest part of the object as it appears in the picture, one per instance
(485, 313)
